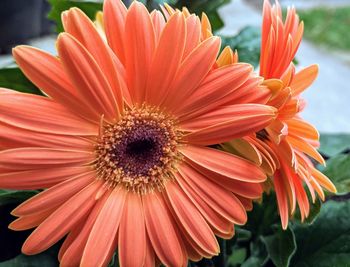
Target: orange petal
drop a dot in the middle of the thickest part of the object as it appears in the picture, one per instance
(79, 25)
(193, 34)
(158, 23)
(31, 221)
(87, 76)
(38, 179)
(47, 73)
(192, 71)
(55, 195)
(227, 205)
(304, 146)
(74, 253)
(45, 115)
(191, 220)
(61, 221)
(323, 180)
(303, 79)
(41, 158)
(161, 230)
(160, 77)
(223, 163)
(139, 45)
(105, 228)
(217, 222)
(132, 234)
(281, 199)
(219, 83)
(114, 16)
(303, 129)
(230, 122)
(13, 137)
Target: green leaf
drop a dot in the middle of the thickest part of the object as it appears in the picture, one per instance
(13, 78)
(247, 43)
(333, 144)
(326, 242)
(281, 246)
(315, 209)
(12, 196)
(47, 259)
(338, 170)
(90, 8)
(258, 254)
(209, 7)
(237, 256)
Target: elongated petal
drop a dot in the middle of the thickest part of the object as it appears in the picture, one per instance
(30, 221)
(192, 71)
(74, 253)
(209, 192)
(193, 34)
(132, 234)
(77, 24)
(158, 21)
(165, 64)
(114, 15)
(191, 220)
(105, 228)
(230, 122)
(40, 158)
(40, 178)
(54, 196)
(303, 79)
(87, 76)
(61, 221)
(305, 147)
(303, 129)
(218, 223)
(223, 163)
(45, 115)
(161, 230)
(139, 45)
(14, 137)
(47, 73)
(219, 83)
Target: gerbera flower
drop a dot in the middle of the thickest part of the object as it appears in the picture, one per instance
(283, 148)
(120, 143)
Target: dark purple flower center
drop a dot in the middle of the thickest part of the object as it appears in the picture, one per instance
(140, 149)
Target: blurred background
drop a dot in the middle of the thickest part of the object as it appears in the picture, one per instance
(326, 42)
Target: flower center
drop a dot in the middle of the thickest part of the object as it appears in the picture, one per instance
(139, 151)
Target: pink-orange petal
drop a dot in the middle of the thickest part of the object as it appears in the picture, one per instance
(47, 73)
(40, 158)
(161, 230)
(55, 195)
(105, 229)
(40, 178)
(132, 234)
(114, 15)
(190, 219)
(61, 221)
(87, 76)
(165, 65)
(45, 115)
(209, 191)
(79, 25)
(139, 46)
(230, 122)
(223, 163)
(192, 72)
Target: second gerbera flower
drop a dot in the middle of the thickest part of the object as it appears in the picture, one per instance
(121, 141)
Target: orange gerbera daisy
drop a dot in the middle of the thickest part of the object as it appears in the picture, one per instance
(282, 148)
(120, 141)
